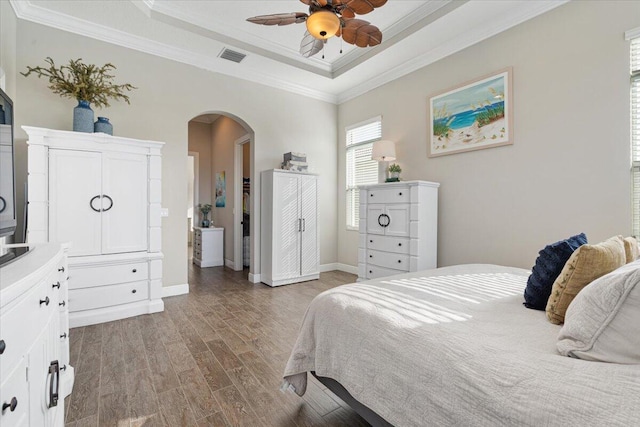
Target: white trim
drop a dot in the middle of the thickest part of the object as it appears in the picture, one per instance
(238, 217)
(254, 278)
(632, 34)
(108, 314)
(173, 290)
(347, 268)
(363, 123)
(229, 263)
(328, 267)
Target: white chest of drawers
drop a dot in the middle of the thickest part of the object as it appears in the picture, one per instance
(398, 228)
(208, 246)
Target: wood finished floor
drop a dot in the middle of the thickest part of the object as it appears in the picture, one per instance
(214, 357)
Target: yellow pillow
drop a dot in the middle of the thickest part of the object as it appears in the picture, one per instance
(586, 264)
(631, 249)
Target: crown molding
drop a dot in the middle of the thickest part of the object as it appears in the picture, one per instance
(28, 11)
(468, 38)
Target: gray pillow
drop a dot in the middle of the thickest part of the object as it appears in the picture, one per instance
(603, 321)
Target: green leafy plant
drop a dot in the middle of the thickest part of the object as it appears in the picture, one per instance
(395, 168)
(83, 82)
(442, 122)
(205, 208)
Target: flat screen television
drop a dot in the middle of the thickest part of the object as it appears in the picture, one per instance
(7, 171)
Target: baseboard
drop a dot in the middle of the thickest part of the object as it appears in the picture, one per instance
(116, 312)
(230, 264)
(173, 290)
(254, 278)
(338, 266)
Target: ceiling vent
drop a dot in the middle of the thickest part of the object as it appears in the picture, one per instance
(232, 55)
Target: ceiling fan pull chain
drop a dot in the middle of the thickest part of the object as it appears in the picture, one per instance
(340, 45)
(323, 45)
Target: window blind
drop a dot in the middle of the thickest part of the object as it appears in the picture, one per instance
(635, 131)
(361, 169)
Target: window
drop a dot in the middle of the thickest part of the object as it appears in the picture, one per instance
(635, 131)
(360, 168)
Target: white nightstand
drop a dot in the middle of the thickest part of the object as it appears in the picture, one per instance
(208, 246)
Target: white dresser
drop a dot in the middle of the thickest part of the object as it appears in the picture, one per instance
(208, 249)
(289, 244)
(398, 228)
(101, 193)
(35, 375)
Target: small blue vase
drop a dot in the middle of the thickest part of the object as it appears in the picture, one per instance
(83, 117)
(103, 125)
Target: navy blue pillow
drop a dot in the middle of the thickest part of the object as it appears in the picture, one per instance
(549, 265)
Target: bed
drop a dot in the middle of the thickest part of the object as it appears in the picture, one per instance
(454, 346)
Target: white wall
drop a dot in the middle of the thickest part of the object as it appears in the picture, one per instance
(568, 170)
(199, 141)
(169, 95)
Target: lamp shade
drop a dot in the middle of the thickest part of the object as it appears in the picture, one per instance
(323, 24)
(383, 151)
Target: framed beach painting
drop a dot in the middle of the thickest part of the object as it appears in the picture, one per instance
(475, 115)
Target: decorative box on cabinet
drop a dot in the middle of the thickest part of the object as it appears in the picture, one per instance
(289, 243)
(398, 228)
(35, 375)
(103, 194)
(208, 246)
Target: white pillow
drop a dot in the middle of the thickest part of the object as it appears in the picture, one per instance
(603, 321)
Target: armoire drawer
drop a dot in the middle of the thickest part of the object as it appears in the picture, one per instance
(374, 272)
(86, 277)
(106, 296)
(388, 195)
(388, 260)
(399, 245)
(15, 386)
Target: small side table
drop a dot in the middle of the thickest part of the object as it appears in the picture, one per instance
(208, 249)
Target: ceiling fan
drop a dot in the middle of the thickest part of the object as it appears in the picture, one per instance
(328, 18)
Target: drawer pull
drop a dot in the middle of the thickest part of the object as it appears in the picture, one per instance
(54, 369)
(133, 291)
(61, 269)
(134, 270)
(62, 304)
(63, 336)
(3, 346)
(370, 241)
(57, 285)
(399, 244)
(371, 194)
(370, 271)
(400, 193)
(64, 368)
(12, 405)
(45, 301)
(399, 261)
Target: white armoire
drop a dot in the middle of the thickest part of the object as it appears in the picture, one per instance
(289, 243)
(102, 194)
(398, 228)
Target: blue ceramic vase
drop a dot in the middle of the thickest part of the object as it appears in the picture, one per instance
(83, 117)
(103, 125)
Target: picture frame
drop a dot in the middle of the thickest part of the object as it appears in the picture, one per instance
(472, 116)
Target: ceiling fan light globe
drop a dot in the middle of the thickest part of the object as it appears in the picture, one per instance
(323, 24)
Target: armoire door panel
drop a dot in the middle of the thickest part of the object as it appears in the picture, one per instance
(74, 200)
(286, 227)
(398, 220)
(308, 210)
(124, 202)
(375, 218)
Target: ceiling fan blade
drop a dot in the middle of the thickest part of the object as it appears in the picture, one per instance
(362, 7)
(310, 45)
(347, 13)
(361, 33)
(319, 3)
(279, 18)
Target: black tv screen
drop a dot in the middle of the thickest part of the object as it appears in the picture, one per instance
(7, 172)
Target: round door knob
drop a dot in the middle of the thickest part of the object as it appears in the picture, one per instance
(135, 270)
(133, 291)
(3, 346)
(45, 301)
(11, 405)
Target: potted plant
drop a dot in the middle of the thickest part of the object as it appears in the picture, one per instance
(394, 172)
(204, 210)
(86, 83)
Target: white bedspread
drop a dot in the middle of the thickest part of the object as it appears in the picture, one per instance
(455, 346)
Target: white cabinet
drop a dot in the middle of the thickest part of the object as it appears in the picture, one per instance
(289, 227)
(35, 375)
(398, 228)
(208, 249)
(101, 193)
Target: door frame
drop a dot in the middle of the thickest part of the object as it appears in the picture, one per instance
(237, 202)
(196, 185)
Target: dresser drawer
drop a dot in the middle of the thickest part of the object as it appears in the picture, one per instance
(388, 195)
(106, 296)
(399, 245)
(197, 234)
(85, 277)
(388, 260)
(15, 385)
(197, 254)
(375, 272)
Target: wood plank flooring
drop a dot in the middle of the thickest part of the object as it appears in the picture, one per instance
(214, 357)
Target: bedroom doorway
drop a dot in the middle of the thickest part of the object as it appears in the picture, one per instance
(192, 196)
(242, 194)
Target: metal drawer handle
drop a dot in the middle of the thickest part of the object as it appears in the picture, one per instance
(110, 200)
(3, 346)
(45, 301)
(399, 261)
(4, 204)
(63, 336)
(133, 291)
(370, 256)
(57, 285)
(370, 241)
(61, 269)
(12, 405)
(91, 203)
(54, 368)
(371, 194)
(134, 270)
(370, 271)
(62, 304)
(400, 193)
(399, 244)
